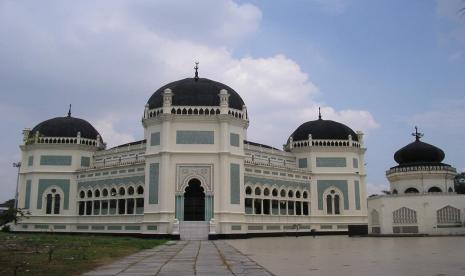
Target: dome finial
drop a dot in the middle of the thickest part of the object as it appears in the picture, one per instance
(417, 134)
(196, 77)
(69, 111)
(319, 113)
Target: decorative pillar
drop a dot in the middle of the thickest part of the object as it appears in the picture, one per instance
(26, 132)
(224, 101)
(167, 100)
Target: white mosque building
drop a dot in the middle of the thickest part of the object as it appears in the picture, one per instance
(423, 196)
(194, 175)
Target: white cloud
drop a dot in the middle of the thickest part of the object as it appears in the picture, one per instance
(111, 136)
(107, 57)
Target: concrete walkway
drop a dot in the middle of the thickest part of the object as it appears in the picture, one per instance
(185, 258)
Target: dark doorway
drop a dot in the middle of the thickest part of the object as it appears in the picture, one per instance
(194, 201)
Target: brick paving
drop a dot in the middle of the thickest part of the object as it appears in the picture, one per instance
(185, 258)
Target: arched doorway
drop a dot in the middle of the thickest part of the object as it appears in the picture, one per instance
(434, 190)
(194, 201)
(411, 191)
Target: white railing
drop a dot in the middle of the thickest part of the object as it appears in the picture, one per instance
(421, 168)
(196, 111)
(114, 163)
(274, 165)
(325, 143)
(63, 140)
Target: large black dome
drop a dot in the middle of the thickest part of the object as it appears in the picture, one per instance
(196, 92)
(323, 129)
(419, 152)
(65, 127)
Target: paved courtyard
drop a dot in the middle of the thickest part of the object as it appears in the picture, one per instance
(341, 255)
(185, 258)
(322, 255)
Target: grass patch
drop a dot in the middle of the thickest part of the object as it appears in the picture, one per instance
(62, 254)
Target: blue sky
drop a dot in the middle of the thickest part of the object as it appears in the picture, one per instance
(378, 66)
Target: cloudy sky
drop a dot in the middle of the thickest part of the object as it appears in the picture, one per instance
(378, 66)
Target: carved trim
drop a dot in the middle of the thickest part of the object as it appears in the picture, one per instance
(186, 172)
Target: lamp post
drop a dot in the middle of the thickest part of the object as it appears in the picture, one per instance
(17, 165)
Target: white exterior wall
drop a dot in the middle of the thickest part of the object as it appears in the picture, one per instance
(425, 206)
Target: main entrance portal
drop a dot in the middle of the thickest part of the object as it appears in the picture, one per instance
(194, 201)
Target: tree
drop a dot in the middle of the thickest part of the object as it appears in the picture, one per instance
(12, 215)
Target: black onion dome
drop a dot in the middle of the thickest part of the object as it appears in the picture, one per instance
(323, 129)
(196, 92)
(419, 152)
(65, 127)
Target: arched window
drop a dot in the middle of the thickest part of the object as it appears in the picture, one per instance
(290, 194)
(374, 218)
(297, 194)
(122, 191)
(274, 192)
(411, 190)
(113, 192)
(82, 194)
(56, 205)
(48, 209)
(140, 190)
(130, 191)
(248, 191)
(283, 193)
(97, 193)
(105, 192)
(258, 191)
(448, 215)
(434, 190)
(450, 190)
(266, 192)
(329, 204)
(336, 205)
(305, 195)
(404, 215)
(89, 193)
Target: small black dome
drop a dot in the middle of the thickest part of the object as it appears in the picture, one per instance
(419, 152)
(196, 92)
(65, 127)
(323, 129)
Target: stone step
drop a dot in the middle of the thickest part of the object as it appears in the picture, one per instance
(193, 230)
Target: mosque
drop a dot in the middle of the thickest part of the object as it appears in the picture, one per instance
(195, 175)
(426, 196)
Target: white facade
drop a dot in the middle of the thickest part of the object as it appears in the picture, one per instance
(422, 200)
(72, 184)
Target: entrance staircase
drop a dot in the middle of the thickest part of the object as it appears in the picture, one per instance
(193, 230)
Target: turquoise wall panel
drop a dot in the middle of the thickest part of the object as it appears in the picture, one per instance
(322, 185)
(235, 183)
(30, 160)
(303, 163)
(85, 161)
(278, 182)
(139, 179)
(155, 139)
(355, 163)
(55, 160)
(208, 208)
(61, 183)
(153, 183)
(331, 162)
(179, 208)
(194, 137)
(27, 198)
(357, 195)
(234, 139)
